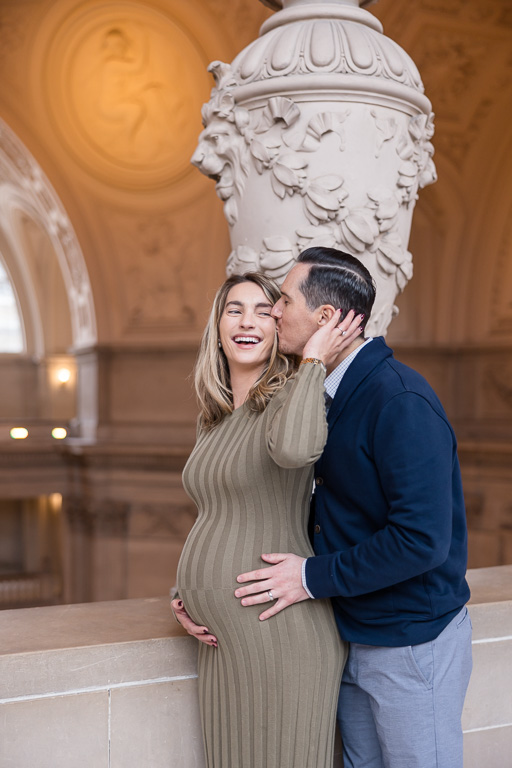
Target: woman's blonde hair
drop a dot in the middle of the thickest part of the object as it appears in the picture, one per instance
(211, 373)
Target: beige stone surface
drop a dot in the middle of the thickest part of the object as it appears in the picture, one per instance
(70, 626)
(93, 646)
(488, 749)
(490, 585)
(56, 732)
(71, 675)
(98, 667)
(156, 726)
(488, 701)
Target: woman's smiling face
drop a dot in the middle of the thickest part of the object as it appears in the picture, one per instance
(247, 329)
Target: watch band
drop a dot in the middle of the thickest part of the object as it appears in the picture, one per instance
(314, 361)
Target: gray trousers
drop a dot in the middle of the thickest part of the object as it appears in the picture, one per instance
(402, 707)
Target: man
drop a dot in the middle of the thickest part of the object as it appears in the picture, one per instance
(389, 535)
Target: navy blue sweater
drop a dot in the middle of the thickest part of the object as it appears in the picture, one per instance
(389, 524)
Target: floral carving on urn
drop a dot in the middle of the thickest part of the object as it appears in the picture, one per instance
(319, 133)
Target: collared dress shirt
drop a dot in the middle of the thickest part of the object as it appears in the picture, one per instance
(331, 384)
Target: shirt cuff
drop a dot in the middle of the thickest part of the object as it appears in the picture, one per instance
(304, 584)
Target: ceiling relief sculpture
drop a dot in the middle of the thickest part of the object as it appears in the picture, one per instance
(161, 270)
(122, 82)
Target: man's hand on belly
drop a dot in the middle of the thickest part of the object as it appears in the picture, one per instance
(283, 580)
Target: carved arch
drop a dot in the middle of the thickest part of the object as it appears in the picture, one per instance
(30, 208)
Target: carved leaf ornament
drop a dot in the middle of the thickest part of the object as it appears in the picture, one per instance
(279, 142)
(373, 228)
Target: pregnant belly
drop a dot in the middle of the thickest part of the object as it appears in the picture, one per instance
(221, 612)
(213, 556)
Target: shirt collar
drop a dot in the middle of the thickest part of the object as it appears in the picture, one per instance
(333, 380)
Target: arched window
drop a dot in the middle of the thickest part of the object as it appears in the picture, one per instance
(11, 334)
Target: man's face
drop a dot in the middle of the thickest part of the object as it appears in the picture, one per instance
(296, 323)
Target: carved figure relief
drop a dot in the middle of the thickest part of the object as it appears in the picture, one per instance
(160, 274)
(122, 82)
(132, 110)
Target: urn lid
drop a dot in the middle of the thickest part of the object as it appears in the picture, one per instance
(317, 45)
(277, 5)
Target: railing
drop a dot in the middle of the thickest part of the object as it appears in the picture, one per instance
(113, 685)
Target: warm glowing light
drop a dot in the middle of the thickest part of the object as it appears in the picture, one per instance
(55, 501)
(19, 433)
(63, 375)
(59, 433)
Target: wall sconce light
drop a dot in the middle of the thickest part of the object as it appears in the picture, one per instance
(63, 375)
(55, 500)
(59, 433)
(19, 433)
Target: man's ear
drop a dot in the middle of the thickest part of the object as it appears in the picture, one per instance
(325, 312)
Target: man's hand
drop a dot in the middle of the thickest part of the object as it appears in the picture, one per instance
(199, 632)
(283, 579)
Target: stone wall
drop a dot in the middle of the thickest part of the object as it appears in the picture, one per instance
(114, 684)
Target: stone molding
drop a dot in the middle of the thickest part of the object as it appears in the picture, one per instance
(102, 517)
(23, 185)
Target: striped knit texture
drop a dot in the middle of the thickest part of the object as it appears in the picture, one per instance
(268, 693)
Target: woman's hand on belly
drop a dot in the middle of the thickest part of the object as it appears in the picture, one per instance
(201, 633)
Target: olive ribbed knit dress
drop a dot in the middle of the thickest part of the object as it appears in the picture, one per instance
(268, 693)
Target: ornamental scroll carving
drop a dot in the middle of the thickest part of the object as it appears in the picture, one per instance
(299, 161)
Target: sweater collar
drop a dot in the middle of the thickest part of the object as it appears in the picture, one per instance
(370, 356)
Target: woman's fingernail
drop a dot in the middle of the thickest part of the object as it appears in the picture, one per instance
(362, 317)
(180, 604)
(205, 631)
(361, 328)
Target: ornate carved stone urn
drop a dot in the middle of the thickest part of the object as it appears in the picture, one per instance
(318, 133)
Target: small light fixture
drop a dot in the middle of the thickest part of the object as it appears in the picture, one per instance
(55, 501)
(63, 375)
(59, 433)
(19, 433)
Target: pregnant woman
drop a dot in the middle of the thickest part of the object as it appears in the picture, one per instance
(268, 689)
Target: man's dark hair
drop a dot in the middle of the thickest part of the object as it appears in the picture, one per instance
(339, 279)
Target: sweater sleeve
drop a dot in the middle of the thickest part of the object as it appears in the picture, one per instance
(413, 450)
(297, 427)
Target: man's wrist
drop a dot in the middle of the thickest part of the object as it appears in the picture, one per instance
(304, 583)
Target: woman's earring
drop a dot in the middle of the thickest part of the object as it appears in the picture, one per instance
(220, 345)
